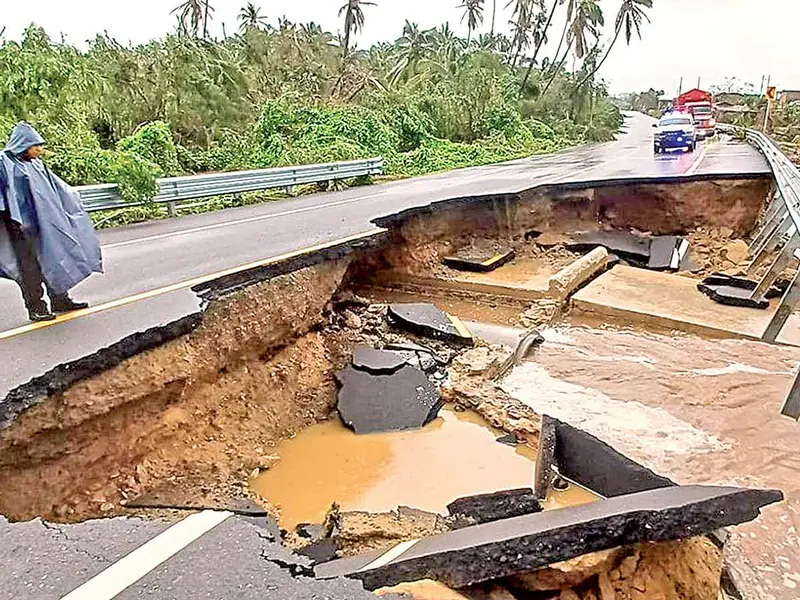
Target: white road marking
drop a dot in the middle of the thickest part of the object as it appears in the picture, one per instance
(284, 213)
(389, 556)
(132, 567)
(698, 160)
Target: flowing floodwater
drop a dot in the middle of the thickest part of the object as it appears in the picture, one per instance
(455, 455)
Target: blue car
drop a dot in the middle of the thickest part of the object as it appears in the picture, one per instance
(675, 131)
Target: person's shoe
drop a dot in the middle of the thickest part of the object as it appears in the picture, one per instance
(66, 304)
(37, 315)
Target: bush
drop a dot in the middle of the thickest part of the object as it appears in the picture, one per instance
(153, 142)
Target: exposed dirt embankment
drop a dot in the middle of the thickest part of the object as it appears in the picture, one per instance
(420, 239)
(201, 409)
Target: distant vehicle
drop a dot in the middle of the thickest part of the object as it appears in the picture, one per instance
(675, 130)
(701, 104)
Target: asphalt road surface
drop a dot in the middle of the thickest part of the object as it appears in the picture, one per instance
(145, 262)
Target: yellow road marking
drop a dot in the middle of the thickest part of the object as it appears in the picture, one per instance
(460, 327)
(71, 316)
(490, 261)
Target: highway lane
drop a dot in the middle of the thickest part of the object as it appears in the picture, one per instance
(152, 256)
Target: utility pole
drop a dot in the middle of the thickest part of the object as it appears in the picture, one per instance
(698, 82)
(770, 98)
(761, 89)
(680, 86)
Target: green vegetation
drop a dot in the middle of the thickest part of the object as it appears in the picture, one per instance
(296, 94)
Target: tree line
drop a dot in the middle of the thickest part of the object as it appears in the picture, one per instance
(275, 92)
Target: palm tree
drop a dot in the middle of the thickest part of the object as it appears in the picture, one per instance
(494, 14)
(250, 18)
(588, 19)
(541, 34)
(193, 14)
(473, 13)
(411, 48)
(353, 20)
(630, 17)
(521, 23)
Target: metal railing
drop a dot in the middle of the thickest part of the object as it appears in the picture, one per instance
(174, 190)
(777, 240)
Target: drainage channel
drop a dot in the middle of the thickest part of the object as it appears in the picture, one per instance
(477, 467)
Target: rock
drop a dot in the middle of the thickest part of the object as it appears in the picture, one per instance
(373, 403)
(567, 574)
(352, 320)
(568, 595)
(484, 508)
(360, 532)
(509, 439)
(321, 551)
(483, 360)
(425, 589)
(725, 232)
(737, 251)
(606, 589)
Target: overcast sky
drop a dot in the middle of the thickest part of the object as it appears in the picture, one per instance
(710, 39)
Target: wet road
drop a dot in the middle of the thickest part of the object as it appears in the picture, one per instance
(165, 257)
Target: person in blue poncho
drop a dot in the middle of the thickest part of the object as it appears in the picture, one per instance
(47, 242)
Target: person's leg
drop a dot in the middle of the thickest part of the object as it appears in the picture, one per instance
(32, 282)
(63, 303)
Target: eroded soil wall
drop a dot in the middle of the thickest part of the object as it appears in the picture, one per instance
(420, 239)
(203, 408)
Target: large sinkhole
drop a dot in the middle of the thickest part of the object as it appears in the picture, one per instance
(242, 405)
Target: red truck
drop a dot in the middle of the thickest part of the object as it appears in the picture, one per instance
(701, 104)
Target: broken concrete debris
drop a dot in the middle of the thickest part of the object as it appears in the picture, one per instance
(429, 320)
(504, 548)
(567, 574)
(480, 261)
(573, 276)
(405, 399)
(495, 506)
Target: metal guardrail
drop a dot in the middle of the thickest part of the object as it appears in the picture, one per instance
(173, 190)
(778, 240)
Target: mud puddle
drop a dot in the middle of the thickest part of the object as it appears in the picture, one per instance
(455, 455)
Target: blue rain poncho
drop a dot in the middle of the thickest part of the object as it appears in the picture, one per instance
(49, 212)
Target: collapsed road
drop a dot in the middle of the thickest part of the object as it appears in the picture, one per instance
(195, 396)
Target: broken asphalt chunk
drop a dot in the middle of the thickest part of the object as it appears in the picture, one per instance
(622, 243)
(429, 320)
(503, 548)
(403, 400)
(594, 464)
(733, 291)
(379, 362)
(495, 506)
(480, 262)
(667, 252)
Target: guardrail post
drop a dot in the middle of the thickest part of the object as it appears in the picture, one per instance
(289, 189)
(791, 407)
(789, 301)
(172, 210)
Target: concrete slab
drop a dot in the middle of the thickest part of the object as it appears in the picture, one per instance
(667, 301)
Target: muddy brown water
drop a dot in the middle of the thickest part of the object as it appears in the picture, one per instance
(455, 455)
